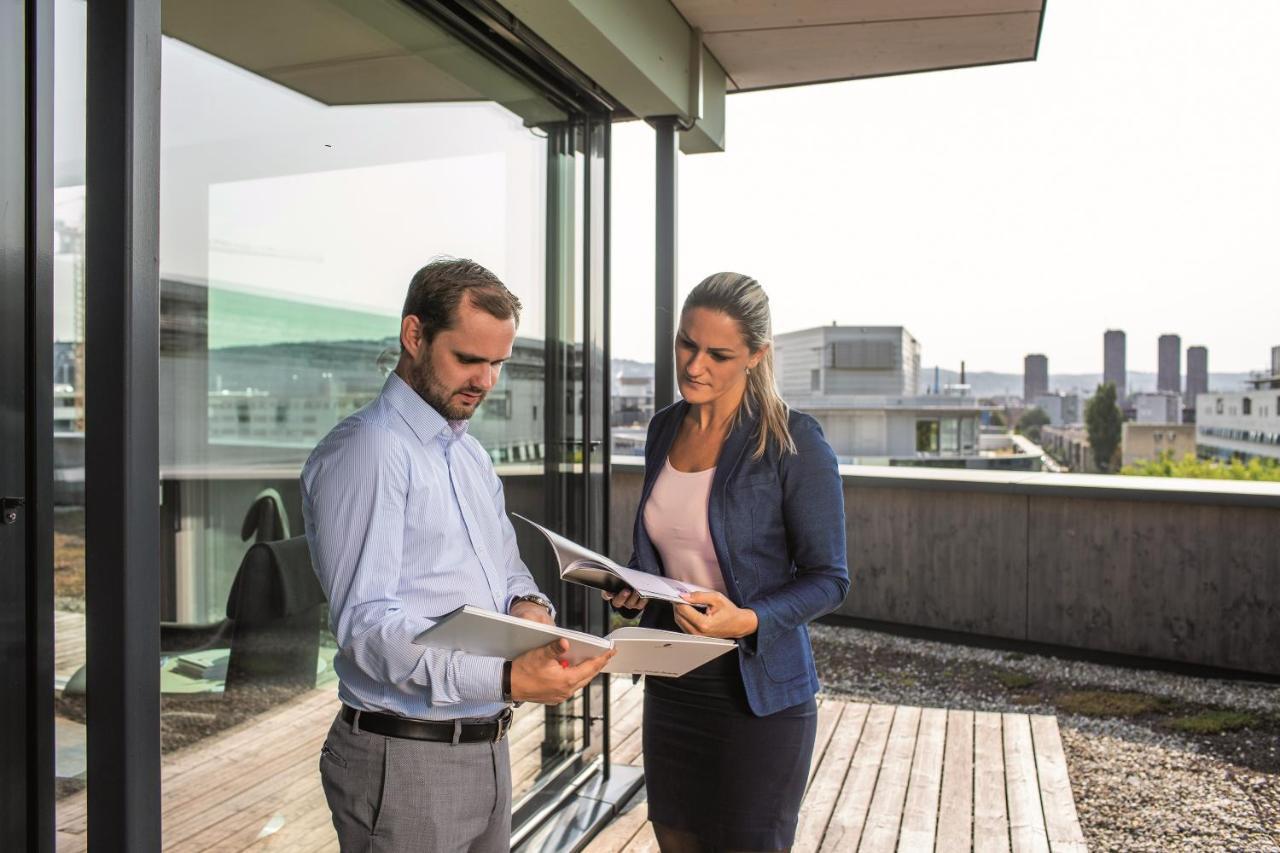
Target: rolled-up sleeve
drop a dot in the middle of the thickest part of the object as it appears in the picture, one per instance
(813, 511)
(355, 489)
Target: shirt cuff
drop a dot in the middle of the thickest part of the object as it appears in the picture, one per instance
(479, 679)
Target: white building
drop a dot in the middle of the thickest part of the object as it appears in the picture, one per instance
(860, 383)
(1061, 408)
(845, 360)
(1158, 407)
(1242, 424)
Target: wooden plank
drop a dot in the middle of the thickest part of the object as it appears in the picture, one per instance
(1061, 822)
(990, 818)
(1026, 816)
(618, 834)
(920, 812)
(850, 813)
(820, 799)
(643, 842)
(828, 713)
(955, 806)
(884, 817)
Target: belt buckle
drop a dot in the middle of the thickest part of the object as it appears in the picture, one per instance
(503, 725)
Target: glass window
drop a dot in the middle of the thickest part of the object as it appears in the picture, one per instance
(69, 377)
(950, 435)
(926, 436)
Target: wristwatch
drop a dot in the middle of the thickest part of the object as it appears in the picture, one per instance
(540, 600)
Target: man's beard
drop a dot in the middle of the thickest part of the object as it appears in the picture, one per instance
(423, 380)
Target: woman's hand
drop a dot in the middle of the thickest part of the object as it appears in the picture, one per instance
(626, 599)
(723, 618)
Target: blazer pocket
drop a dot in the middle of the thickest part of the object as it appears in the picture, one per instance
(785, 661)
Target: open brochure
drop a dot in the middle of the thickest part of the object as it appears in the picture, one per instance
(641, 651)
(584, 566)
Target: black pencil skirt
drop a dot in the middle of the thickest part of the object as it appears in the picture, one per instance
(715, 769)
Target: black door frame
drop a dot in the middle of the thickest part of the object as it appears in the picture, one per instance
(26, 426)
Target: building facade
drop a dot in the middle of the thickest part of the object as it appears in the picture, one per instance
(1035, 377)
(1242, 424)
(828, 361)
(1157, 407)
(1114, 369)
(1169, 364)
(1062, 408)
(1197, 375)
(1142, 441)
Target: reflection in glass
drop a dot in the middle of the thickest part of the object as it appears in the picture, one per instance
(297, 200)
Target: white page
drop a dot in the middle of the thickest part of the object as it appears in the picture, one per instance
(649, 651)
(582, 565)
(483, 632)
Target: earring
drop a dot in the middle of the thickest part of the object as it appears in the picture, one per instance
(748, 370)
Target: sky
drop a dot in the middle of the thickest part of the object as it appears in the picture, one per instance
(1125, 179)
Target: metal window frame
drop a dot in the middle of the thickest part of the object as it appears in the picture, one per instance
(122, 458)
(26, 428)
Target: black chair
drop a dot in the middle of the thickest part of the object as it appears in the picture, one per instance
(275, 609)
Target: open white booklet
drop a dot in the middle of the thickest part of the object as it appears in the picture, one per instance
(641, 651)
(584, 566)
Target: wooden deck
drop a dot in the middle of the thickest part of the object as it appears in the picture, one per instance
(883, 778)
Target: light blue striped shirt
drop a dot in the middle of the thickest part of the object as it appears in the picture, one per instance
(406, 521)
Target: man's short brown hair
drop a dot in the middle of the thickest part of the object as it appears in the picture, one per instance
(436, 291)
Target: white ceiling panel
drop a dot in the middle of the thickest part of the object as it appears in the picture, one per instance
(765, 44)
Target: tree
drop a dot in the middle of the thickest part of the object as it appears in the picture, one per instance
(1205, 469)
(1031, 421)
(1102, 418)
(997, 419)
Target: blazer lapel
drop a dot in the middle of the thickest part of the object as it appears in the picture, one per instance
(731, 455)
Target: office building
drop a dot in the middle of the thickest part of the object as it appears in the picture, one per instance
(1113, 362)
(1157, 407)
(1197, 377)
(860, 383)
(1061, 408)
(1242, 424)
(1035, 377)
(1169, 369)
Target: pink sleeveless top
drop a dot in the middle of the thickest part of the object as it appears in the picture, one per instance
(675, 518)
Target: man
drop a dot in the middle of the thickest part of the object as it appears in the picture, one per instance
(406, 522)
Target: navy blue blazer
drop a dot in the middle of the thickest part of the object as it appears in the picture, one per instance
(777, 524)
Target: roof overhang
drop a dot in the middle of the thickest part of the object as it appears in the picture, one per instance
(680, 57)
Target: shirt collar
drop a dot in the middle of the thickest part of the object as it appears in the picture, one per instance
(420, 415)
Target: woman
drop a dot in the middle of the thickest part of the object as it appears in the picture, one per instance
(743, 496)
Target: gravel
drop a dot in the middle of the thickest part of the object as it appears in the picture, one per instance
(1138, 784)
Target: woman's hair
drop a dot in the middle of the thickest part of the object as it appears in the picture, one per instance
(742, 298)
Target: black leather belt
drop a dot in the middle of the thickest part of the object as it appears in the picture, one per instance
(443, 732)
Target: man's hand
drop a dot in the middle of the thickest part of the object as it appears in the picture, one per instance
(539, 675)
(723, 618)
(627, 599)
(532, 611)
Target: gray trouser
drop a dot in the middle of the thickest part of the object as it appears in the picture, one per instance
(393, 795)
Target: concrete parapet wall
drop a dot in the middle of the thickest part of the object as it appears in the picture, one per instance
(1182, 570)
